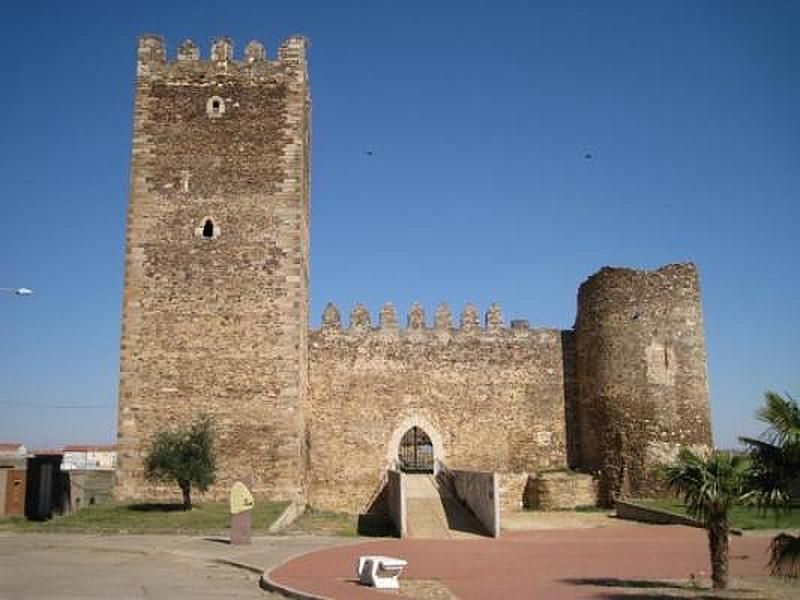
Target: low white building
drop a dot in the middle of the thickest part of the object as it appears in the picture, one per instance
(12, 455)
(89, 458)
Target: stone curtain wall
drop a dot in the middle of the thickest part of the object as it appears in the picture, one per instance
(641, 374)
(215, 317)
(490, 397)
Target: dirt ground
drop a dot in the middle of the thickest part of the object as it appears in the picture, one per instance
(66, 566)
(531, 520)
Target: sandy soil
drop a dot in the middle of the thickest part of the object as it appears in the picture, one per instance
(531, 520)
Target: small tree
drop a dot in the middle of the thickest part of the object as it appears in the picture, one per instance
(710, 486)
(184, 455)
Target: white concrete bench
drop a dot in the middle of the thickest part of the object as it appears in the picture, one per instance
(380, 571)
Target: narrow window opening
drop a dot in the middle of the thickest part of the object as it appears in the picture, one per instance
(208, 229)
(215, 107)
(666, 357)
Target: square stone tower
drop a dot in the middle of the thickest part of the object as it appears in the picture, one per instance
(215, 309)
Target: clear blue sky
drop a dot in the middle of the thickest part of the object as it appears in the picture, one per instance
(479, 115)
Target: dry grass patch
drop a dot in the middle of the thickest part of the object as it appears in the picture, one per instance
(149, 517)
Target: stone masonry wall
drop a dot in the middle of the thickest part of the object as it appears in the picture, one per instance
(216, 269)
(641, 374)
(491, 398)
(512, 488)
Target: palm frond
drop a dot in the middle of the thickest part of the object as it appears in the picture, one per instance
(785, 555)
(782, 415)
(708, 485)
(776, 456)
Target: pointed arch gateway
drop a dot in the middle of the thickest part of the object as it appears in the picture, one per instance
(415, 454)
(415, 446)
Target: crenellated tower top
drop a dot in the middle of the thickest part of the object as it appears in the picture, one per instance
(153, 57)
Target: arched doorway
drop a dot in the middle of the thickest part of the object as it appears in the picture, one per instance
(415, 454)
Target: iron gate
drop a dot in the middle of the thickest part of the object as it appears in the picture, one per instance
(416, 452)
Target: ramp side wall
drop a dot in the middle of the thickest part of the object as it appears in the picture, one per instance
(480, 492)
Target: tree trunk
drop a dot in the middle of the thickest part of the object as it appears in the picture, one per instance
(186, 489)
(718, 548)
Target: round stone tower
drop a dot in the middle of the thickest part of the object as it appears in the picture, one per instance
(641, 374)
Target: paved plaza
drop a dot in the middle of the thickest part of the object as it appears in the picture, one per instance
(548, 564)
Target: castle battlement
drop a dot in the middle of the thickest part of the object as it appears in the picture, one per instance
(417, 327)
(152, 54)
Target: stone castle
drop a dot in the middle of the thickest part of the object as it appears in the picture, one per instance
(215, 320)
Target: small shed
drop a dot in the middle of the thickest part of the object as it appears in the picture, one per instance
(13, 457)
(47, 487)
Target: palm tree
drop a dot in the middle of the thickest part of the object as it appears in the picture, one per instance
(775, 473)
(710, 485)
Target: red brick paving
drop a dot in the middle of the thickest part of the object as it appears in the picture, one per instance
(532, 564)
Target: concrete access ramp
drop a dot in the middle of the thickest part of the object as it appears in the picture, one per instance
(434, 512)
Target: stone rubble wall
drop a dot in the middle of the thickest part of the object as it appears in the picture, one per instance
(490, 397)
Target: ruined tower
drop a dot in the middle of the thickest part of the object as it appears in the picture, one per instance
(216, 270)
(641, 374)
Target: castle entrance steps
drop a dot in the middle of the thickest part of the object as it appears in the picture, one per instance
(432, 512)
